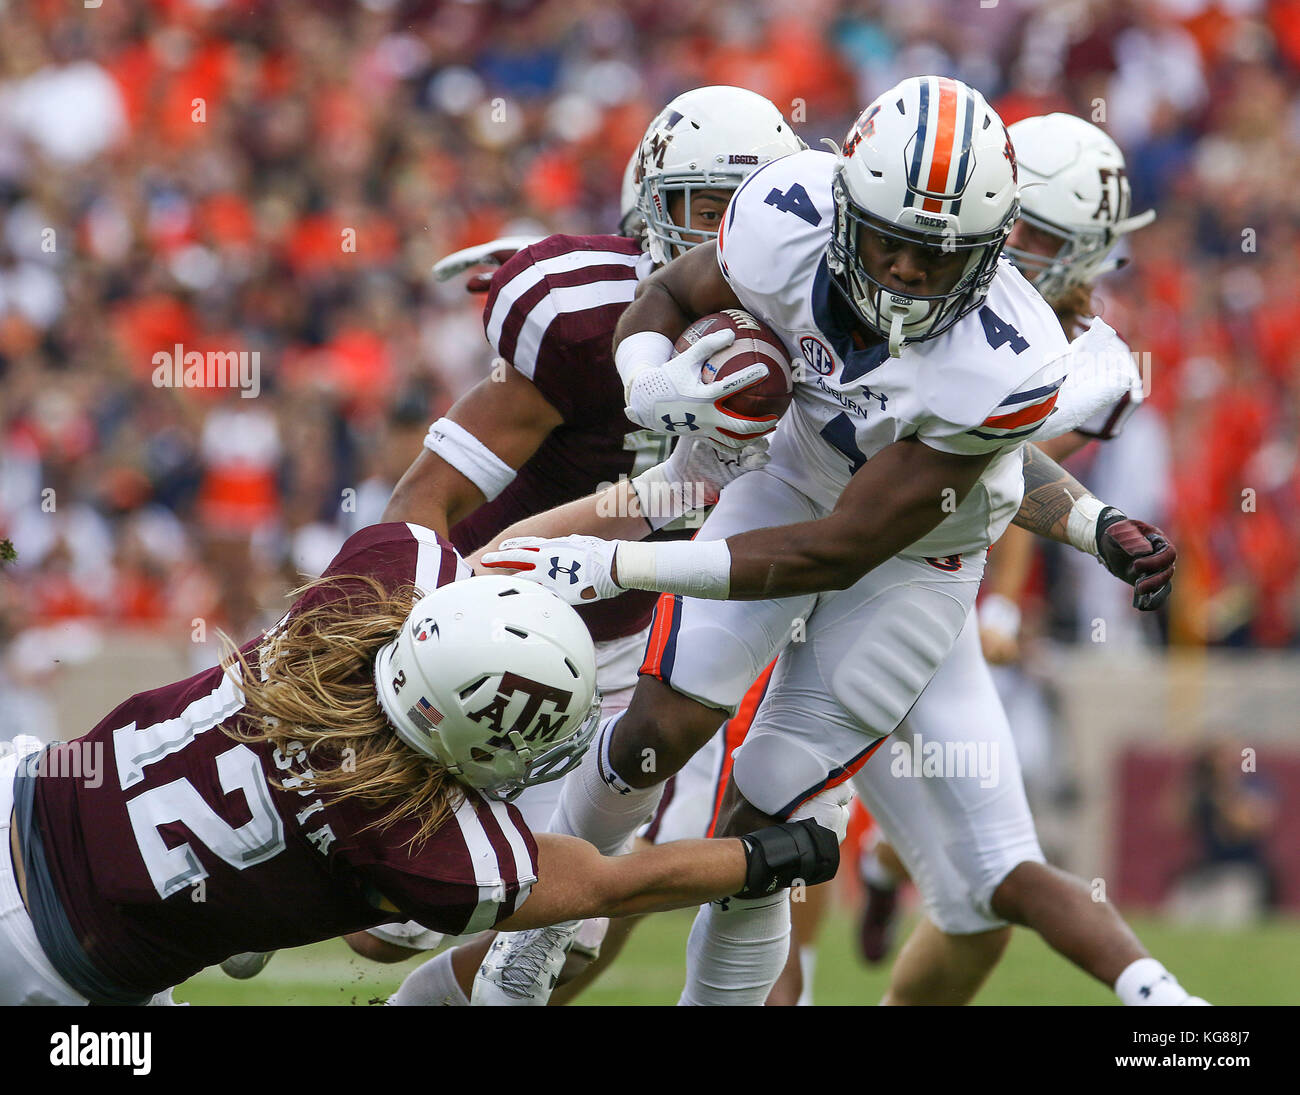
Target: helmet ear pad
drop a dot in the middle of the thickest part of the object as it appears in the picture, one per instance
(495, 679)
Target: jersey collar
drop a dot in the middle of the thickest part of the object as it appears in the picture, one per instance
(833, 319)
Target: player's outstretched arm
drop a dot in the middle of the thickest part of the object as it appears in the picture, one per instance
(690, 479)
(472, 454)
(1058, 507)
(574, 881)
(897, 497)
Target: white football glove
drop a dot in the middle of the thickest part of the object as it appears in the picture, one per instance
(671, 398)
(829, 809)
(576, 568)
(693, 477)
(493, 253)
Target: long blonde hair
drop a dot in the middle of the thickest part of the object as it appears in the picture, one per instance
(315, 686)
(1072, 307)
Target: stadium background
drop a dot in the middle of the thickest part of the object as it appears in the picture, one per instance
(279, 177)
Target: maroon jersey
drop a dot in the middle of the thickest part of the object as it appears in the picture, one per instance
(184, 851)
(550, 314)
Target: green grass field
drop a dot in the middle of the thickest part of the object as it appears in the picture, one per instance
(1259, 965)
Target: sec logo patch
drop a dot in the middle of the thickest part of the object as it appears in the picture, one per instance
(817, 354)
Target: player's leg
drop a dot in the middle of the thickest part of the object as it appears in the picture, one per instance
(390, 943)
(701, 659)
(870, 652)
(807, 913)
(968, 840)
(1062, 908)
(937, 967)
(26, 974)
(689, 807)
(947, 795)
(882, 875)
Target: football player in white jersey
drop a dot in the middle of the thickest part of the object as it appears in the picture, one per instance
(959, 842)
(931, 363)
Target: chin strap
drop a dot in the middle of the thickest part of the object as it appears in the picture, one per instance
(897, 317)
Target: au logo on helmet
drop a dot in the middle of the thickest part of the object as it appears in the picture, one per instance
(865, 127)
(1010, 153)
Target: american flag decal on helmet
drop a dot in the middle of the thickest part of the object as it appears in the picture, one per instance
(424, 714)
(941, 153)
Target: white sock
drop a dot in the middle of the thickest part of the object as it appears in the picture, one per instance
(736, 951)
(1147, 983)
(432, 984)
(597, 805)
(808, 967)
(876, 873)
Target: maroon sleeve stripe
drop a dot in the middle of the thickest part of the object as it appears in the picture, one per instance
(544, 303)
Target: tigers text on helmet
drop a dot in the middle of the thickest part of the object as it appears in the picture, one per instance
(1074, 188)
(711, 138)
(929, 163)
(495, 678)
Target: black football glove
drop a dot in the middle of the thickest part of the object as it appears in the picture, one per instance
(1139, 554)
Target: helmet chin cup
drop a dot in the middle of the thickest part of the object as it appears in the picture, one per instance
(900, 311)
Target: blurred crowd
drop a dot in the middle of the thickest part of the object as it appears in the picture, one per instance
(277, 177)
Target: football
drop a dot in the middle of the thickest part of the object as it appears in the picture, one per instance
(756, 343)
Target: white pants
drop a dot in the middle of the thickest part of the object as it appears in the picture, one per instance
(26, 976)
(852, 662)
(947, 792)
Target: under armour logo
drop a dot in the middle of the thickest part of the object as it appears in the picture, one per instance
(614, 783)
(557, 570)
(1146, 990)
(673, 427)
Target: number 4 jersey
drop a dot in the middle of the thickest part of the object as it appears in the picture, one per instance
(161, 846)
(986, 385)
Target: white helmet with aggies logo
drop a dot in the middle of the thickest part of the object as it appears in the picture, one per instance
(495, 678)
(1073, 186)
(711, 138)
(930, 163)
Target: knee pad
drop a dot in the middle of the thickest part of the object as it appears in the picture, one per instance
(770, 768)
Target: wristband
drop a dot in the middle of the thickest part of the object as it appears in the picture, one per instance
(469, 456)
(780, 855)
(688, 567)
(1081, 528)
(1000, 614)
(662, 500)
(638, 352)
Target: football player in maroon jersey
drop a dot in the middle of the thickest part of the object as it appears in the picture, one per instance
(351, 766)
(547, 426)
